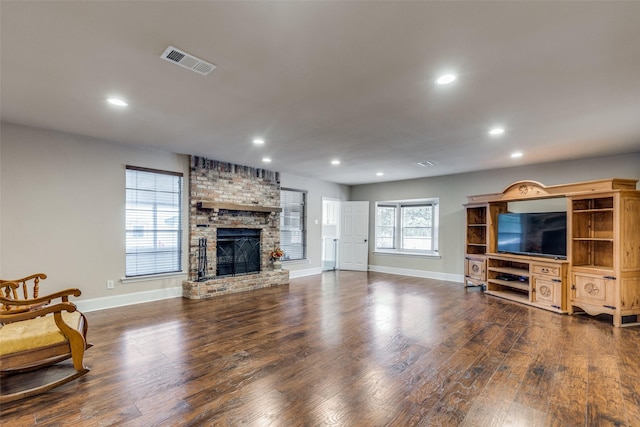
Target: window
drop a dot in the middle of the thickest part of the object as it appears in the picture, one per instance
(292, 224)
(153, 222)
(409, 226)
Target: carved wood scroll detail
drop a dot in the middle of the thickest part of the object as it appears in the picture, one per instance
(545, 291)
(591, 289)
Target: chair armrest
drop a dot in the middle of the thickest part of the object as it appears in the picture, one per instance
(18, 317)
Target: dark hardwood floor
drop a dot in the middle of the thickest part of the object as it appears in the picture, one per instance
(347, 349)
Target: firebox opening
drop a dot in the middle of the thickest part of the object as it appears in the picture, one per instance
(238, 251)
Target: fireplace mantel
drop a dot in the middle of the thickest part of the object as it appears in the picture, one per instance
(236, 207)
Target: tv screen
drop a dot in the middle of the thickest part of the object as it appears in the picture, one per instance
(539, 233)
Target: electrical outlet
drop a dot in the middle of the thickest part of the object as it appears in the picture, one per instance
(109, 284)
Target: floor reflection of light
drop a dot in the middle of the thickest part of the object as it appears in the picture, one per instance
(383, 310)
(415, 316)
(153, 342)
(330, 319)
(383, 318)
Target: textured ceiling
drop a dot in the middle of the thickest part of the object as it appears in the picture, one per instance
(325, 80)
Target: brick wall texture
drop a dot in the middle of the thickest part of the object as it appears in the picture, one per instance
(220, 182)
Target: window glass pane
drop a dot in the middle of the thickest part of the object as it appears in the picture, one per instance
(385, 227)
(153, 222)
(292, 224)
(417, 227)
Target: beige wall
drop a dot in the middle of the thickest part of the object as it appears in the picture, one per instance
(62, 209)
(453, 189)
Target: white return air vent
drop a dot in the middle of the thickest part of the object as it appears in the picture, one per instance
(185, 60)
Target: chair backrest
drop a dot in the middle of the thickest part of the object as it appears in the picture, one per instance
(22, 289)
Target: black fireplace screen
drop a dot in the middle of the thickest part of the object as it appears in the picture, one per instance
(238, 251)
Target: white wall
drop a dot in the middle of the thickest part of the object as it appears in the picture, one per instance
(62, 212)
(452, 191)
(316, 190)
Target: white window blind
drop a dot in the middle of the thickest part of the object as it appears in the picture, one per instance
(153, 222)
(293, 224)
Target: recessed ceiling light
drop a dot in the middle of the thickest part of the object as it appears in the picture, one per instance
(496, 131)
(516, 154)
(380, 174)
(426, 164)
(117, 101)
(258, 141)
(266, 159)
(335, 162)
(445, 79)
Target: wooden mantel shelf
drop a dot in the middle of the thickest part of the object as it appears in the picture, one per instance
(236, 207)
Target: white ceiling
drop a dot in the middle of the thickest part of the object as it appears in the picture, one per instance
(325, 80)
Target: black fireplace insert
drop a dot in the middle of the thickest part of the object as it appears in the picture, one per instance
(238, 251)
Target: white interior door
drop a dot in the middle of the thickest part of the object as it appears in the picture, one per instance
(354, 236)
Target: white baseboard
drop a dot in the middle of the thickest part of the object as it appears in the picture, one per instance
(418, 273)
(306, 272)
(127, 299)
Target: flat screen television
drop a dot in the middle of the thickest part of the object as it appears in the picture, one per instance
(536, 233)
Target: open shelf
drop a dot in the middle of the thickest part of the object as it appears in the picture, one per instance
(513, 271)
(515, 284)
(593, 204)
(477, 215)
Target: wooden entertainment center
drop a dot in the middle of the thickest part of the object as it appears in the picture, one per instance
(601, 272)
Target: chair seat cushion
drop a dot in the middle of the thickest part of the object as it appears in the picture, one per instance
(35, 333)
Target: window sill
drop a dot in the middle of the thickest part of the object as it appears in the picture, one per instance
(435, 255)
(152, 277)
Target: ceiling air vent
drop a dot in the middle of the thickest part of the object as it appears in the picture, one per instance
(185, 60)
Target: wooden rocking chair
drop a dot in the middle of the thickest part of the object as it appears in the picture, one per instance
(38, 337)
(24, 288)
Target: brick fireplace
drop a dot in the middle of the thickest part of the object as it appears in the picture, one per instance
(226, 197)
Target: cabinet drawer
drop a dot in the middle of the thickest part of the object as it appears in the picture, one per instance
(475, 269)
(595, 290)
(548, 292)
(545, 269)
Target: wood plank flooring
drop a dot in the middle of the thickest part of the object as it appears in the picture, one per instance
(347, 349)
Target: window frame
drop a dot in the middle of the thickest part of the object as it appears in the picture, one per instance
(175, 265)
(303, 224)
(398, 227)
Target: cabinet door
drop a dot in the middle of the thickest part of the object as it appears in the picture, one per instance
(548, 292)
(593, 290)
(475, 269)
